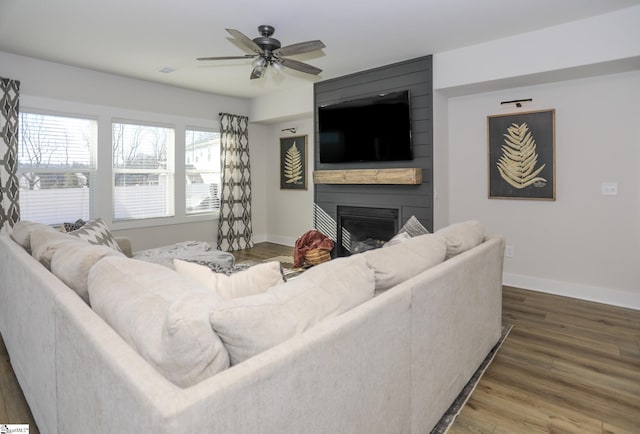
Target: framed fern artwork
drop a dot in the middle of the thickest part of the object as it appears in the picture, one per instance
(522, 155)
(293, 163)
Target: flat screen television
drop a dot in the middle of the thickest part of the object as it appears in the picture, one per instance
(376, 128)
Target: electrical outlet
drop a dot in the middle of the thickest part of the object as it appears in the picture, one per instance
(508, 251)
(609, 188)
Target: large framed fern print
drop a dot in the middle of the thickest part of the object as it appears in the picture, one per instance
(522, 155)
(293, 163)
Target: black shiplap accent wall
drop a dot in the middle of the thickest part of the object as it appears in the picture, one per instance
(416, 76)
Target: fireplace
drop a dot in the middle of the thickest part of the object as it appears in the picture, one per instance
(364, 228)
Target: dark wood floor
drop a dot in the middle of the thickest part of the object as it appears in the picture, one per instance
(568, 366)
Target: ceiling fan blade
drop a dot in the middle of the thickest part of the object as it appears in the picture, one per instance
(246, 56)
(245, 40)
(299, 66)
(299, 48)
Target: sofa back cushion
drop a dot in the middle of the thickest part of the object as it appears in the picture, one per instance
(399, 262)
(163, 315)
(21, 232)
(71, 263)
(462, 236)
(254, 280)
(45, 243)
(250, 325)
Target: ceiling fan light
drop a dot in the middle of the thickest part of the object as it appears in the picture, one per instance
(276, 66)
(259, 62)
(257, 72)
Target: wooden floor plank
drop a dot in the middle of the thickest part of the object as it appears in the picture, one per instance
(570, 365)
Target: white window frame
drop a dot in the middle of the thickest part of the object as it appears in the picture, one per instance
(168, 173)
(60, 211)
(191, 173)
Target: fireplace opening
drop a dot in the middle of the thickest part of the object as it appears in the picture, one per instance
(364, 228)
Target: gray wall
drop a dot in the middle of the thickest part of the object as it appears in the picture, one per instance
(416, 76)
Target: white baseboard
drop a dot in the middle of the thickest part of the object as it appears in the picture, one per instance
(259, 238)
(613, 297)
(278, 239)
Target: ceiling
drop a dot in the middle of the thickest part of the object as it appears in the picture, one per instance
(137, 38)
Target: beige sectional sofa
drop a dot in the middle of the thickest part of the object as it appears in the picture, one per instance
(381, 342)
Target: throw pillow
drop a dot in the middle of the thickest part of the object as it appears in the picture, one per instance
(402, 261)
(397, 239)
(413, 227)
(253, 280)
(250, 325)
(161, 314)
(462, 236)
(97, 232)
(69, 227)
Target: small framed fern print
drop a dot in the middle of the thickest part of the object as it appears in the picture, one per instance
(522, 155)
(293, 163)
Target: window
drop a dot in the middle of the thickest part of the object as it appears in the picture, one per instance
(143, 171)
(202, 166)
(56, 167)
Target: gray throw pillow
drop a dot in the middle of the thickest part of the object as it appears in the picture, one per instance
(413, 227)
(97, 232)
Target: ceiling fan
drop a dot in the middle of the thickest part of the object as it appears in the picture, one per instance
(268, 51)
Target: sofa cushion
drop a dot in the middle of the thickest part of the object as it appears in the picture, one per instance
(404, 260)
(45, 243)
(97, 232)
(397, 239)
(250, 325)
(71, 263)
(254, 280)
(21, 232)
(462, 236)
(160, 313)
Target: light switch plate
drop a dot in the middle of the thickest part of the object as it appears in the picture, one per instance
(609, 188)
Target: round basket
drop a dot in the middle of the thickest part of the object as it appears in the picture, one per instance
(317, 256)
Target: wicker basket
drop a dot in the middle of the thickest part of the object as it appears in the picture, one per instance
(317, 256)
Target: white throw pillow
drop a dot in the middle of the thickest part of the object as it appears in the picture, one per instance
(161, 314)
(404, 260)
(71, 263)
(462, 236)
(250, 325)
(254, 280)
(397, 239)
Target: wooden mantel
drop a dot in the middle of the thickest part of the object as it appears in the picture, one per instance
(406, 176)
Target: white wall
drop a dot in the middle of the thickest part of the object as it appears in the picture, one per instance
(289, 212)
(584, 244)
(594, 46)
(259, 158)
(283, 106)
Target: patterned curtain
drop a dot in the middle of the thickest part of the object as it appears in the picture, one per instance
(234, 225)
(9, 186)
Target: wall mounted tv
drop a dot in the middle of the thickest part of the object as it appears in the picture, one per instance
(376, 128)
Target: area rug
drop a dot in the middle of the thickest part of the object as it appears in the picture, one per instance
(449, 417)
